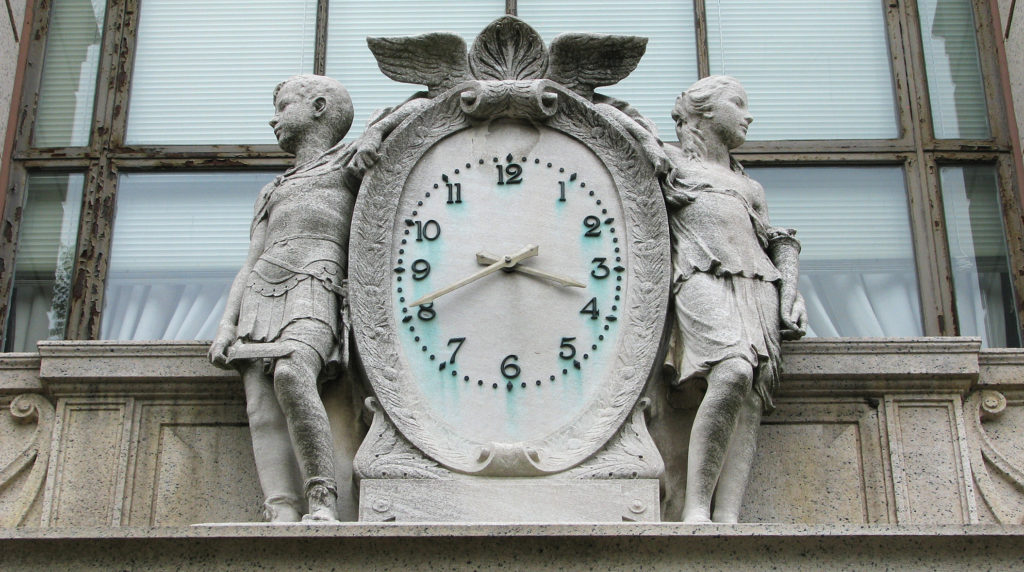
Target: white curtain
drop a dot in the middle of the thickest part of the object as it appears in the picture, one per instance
(812, 69)
(179, 239)
(857, 271)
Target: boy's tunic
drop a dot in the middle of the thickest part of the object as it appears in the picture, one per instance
(294, 291)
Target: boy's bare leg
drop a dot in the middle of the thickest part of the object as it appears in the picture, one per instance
(272, 447)
(728, 383)
(295, 384)
(738, 459)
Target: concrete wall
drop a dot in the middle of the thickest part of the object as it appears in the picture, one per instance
(12, 22)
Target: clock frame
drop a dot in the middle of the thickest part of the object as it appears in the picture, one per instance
(396, 375)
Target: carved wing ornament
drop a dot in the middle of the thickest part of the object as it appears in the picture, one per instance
(583, 62)
(437, 60)
(508, 50)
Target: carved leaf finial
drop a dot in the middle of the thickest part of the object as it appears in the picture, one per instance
(508, 49)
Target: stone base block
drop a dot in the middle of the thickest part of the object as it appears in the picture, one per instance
(513, 500)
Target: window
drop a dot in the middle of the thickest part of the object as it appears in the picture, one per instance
(877, 135)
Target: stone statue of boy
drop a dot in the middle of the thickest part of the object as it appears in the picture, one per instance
(282, 327)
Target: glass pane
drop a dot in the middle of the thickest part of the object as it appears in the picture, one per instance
(350, 61)
(205, 71)
(68, 84)
(857, 270)
(954, 73)
(813, 70)
(977, 251)
(45, 260)
(668, 66)
(179, 239)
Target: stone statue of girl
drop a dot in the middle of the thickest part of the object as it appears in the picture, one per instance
(282, 326)
(734, 294)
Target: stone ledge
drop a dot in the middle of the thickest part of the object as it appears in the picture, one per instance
(484, 547)
(814, 367)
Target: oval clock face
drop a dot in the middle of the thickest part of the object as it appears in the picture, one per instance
(515, 354)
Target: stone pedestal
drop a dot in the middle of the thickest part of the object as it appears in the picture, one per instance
(536, 500)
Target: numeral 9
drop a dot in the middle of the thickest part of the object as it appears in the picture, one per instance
(420, 269)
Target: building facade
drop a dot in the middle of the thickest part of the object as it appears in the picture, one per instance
(886, 132)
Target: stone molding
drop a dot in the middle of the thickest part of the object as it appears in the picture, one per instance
(922, 430)
(535, 547)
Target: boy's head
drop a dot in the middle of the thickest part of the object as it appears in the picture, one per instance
(307, 104)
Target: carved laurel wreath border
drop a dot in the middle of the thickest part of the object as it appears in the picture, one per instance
(646, 297)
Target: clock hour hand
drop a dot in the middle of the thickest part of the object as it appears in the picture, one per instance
(507, 261)
(488, 258)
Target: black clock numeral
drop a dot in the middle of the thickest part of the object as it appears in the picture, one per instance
(514, 172)
(593, 225)
(568, 351)
(561, 191)
(454, 193)
(426, 312)
(458, 346)
(509, 368)
(591, 308)
(420, 269)
(601, 269)
(429, 230)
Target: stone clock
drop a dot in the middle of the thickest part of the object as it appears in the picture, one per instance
(508, 276)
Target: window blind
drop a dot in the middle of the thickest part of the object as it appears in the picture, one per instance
(350, 61)
(668, 67)
(954, 73)
(812, 69)
(978, 254)
(45, 260)
(178, 241)
(205, 71)
(857, 270)
(68, 84)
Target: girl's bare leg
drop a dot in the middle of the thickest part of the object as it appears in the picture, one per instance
(738, 459)
(729, 381)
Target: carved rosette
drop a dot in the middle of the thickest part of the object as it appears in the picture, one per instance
(507, 80)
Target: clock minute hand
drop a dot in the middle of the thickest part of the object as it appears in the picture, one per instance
(488, 258)
(507, 261)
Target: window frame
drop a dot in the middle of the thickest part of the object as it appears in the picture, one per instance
(915, 149)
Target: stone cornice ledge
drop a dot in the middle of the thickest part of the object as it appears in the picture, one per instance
(1001, 369)
(814, 367)
(668, 546)
(876, 366)
(19, 373)
(116, 368)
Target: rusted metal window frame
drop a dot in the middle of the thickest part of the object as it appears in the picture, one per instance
(915, 149)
